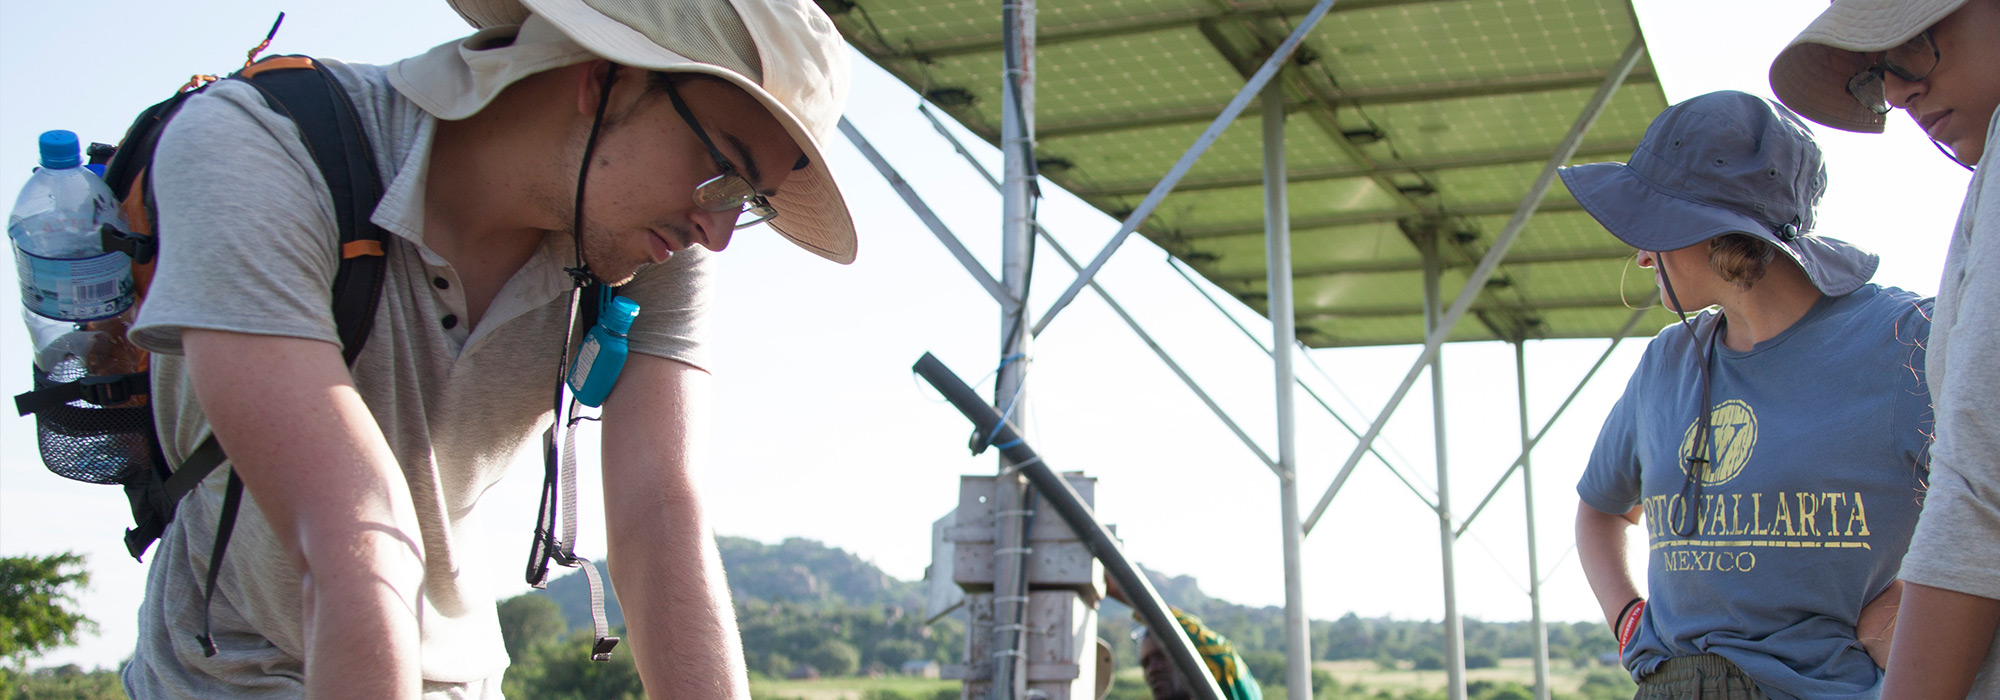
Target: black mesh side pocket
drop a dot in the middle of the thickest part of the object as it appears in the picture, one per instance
(91, 443)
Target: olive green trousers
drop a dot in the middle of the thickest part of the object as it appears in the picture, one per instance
(1705, 677)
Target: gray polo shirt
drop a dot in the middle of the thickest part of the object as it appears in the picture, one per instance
(248, 245)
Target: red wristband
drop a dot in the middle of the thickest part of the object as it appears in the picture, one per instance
(1628, 622)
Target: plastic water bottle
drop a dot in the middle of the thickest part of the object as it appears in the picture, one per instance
(65, 273)
(77, 299)
(601, 356)
(66, 276)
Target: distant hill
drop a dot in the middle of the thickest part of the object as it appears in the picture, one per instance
(797, 570)
(785, 591)
(800, 570)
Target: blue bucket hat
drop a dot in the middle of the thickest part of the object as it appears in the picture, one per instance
(1724, 162)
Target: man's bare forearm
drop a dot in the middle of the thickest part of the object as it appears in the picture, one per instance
(1942, 637)
(664, 563)
(314, 461)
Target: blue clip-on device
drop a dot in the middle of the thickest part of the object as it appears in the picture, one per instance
(601, 356)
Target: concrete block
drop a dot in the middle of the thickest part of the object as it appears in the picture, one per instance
(976, 517)
(1061, 630)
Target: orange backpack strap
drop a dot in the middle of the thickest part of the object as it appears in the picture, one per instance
(276, 63)
(355, 249)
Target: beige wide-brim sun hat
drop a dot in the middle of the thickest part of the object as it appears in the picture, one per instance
(1810, 76)
(805, 75)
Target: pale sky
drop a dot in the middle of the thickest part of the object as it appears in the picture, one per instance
(822, 432)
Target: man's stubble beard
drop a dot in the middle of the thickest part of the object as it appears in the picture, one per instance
(603, 258)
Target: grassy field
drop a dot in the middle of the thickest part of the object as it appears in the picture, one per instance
(1563, 677)
(1564, 680)
(847, 688)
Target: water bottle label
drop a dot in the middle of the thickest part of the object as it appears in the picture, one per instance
(586, 359)
(75, 289)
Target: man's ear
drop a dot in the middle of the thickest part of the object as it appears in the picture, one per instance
(589, 77)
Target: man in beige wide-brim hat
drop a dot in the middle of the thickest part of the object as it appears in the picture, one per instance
(1938, 60)
(567, 145)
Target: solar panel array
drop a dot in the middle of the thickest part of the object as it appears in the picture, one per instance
(1411, 122)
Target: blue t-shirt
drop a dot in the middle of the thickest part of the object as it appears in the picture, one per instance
(1817, 465)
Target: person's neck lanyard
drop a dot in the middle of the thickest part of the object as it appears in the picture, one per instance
(559, 466)
(1697, 461)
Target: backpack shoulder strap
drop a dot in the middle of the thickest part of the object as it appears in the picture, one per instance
(300, 88)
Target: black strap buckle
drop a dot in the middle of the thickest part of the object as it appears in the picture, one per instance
(114, 389)
(142, 248)
(105, 391)
(601, 650)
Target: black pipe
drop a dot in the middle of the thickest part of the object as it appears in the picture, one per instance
(1096, 537)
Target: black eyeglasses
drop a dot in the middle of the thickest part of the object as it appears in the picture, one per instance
(730, 190)
(1912, 61)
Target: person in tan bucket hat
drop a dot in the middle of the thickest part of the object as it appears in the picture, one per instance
(1938, 60)
(566, 146)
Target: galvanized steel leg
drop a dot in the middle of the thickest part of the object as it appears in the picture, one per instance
(1278, 263)
(1454, 627)
(1522, 459)
(1010, 584)
(1541, 630)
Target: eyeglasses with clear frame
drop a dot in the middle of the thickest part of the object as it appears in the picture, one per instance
(729, 190)
(1911, 61)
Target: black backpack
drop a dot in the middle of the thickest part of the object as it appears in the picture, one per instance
(100, 428)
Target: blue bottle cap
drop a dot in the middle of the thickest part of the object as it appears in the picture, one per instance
(618, 318)
(60, 150)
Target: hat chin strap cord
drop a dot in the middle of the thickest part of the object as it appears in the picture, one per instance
(559, 484)
(1696, 464)
(1948, 154)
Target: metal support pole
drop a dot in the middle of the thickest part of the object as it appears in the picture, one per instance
(1454, 627)
(1477, 281)
(1278, 264)
(924, 213)
(1010, 584)
(1174, 366)
(1125, 316)
(1335, 415)
(1534, 558)
(1201, 143)
(1522, 459)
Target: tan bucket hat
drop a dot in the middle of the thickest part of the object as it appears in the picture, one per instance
(794, 62)
(1810, 75)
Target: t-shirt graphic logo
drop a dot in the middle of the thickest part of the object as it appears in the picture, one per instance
(1735, 436)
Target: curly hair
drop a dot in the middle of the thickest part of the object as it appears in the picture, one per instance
(1741, 259)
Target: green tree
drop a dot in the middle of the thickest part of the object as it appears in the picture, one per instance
(1427, 659)
(529, 620)
(68, 682)
(37, 597)
(893, 652)
(834, 658)
(564, 671)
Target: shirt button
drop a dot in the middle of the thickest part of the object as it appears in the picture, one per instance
(440, 283)
(450, 321)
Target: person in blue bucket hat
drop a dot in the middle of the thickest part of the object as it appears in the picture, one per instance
(1772, 442)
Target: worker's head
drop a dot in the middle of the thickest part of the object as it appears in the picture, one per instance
(1162, 677)
(1723, 188)
(686, 118)
(1861, 59)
